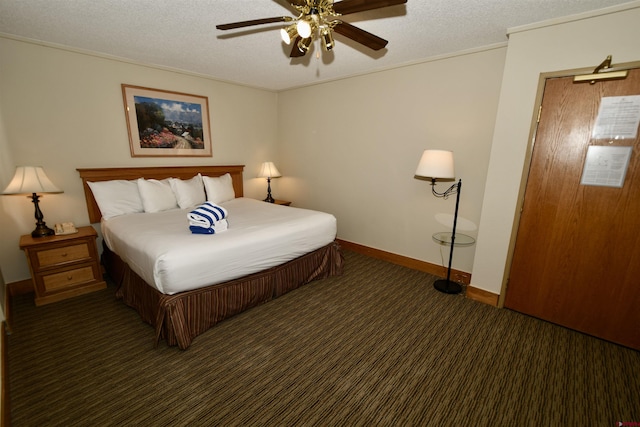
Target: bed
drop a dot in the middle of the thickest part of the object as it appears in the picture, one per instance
(182, 283)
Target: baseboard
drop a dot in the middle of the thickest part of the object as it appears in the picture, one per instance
(19, 288)
(463, 277)
(481, 295)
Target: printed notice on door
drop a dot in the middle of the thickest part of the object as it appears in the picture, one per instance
(618, 118)
(606, 166)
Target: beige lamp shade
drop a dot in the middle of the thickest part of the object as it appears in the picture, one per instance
(436, 164)
(29, 180)
(269, 170)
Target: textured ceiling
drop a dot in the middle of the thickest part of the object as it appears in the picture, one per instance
(181, 34)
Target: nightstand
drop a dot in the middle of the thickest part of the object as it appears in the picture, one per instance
(281, 202)
(63, 266)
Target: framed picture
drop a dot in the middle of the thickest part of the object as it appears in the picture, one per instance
(167, 124)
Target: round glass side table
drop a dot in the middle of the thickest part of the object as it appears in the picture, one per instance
(444, 238)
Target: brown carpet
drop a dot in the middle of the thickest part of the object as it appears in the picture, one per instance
(377, 346)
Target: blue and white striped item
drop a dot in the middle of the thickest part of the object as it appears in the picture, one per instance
(217, 227)
(208, 218)
(206, 215)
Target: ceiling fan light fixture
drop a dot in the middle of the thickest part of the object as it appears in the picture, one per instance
(327, 39)
(304, 28)
(289, 33)
(303, 44)
(317, 19)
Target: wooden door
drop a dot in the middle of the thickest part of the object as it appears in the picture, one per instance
(576, 259)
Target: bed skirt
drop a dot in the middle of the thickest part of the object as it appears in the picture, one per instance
(181, 317)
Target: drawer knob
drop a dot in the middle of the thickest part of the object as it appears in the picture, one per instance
(69, 277)
(64, 254)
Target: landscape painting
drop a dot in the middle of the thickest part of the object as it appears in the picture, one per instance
(164, 123)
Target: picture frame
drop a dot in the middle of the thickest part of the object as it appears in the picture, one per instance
(163, 123)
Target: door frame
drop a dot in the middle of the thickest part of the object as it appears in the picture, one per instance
(527, 161)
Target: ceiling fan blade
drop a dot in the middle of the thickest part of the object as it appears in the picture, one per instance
(345, 7)
(289, 3)
(295, 52)
(361, 36)
(241, 24)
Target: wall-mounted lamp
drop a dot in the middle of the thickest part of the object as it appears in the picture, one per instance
(438, 164)
(269, 170)
(32, 180)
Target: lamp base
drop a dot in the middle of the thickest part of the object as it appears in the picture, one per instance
(42, 231)
(447, 286)
(269, 199)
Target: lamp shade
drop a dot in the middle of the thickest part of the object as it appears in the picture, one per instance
(269, 170)
(288, 33)
(436, 164)
(327, 38)
(304, 28)
(29, 180)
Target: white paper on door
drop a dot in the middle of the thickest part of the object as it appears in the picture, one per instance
(606, 166)
(618, 118)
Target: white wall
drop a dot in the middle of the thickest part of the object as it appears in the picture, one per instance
(351, 147)
(584, 42)
(63, 110)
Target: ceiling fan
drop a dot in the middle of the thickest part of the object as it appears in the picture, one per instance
(317, 19)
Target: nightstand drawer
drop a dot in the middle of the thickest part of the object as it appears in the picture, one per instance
(63, 255)
(53, 282)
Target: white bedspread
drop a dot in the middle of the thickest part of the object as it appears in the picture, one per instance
(160, 248)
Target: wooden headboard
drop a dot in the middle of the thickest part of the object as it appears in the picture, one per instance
(156, 172)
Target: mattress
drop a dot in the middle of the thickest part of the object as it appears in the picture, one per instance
(160, 248)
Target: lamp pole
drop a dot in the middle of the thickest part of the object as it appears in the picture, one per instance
(41, 226)
(269, 199)
(447, 285)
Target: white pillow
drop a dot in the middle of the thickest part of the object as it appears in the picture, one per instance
(116, 197)
(156, 195)
(188, 192)
(219, 189)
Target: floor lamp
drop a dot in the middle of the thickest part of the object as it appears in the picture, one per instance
(438, 164)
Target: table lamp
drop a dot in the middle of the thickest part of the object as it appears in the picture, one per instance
(32, 180)
(269, 170)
